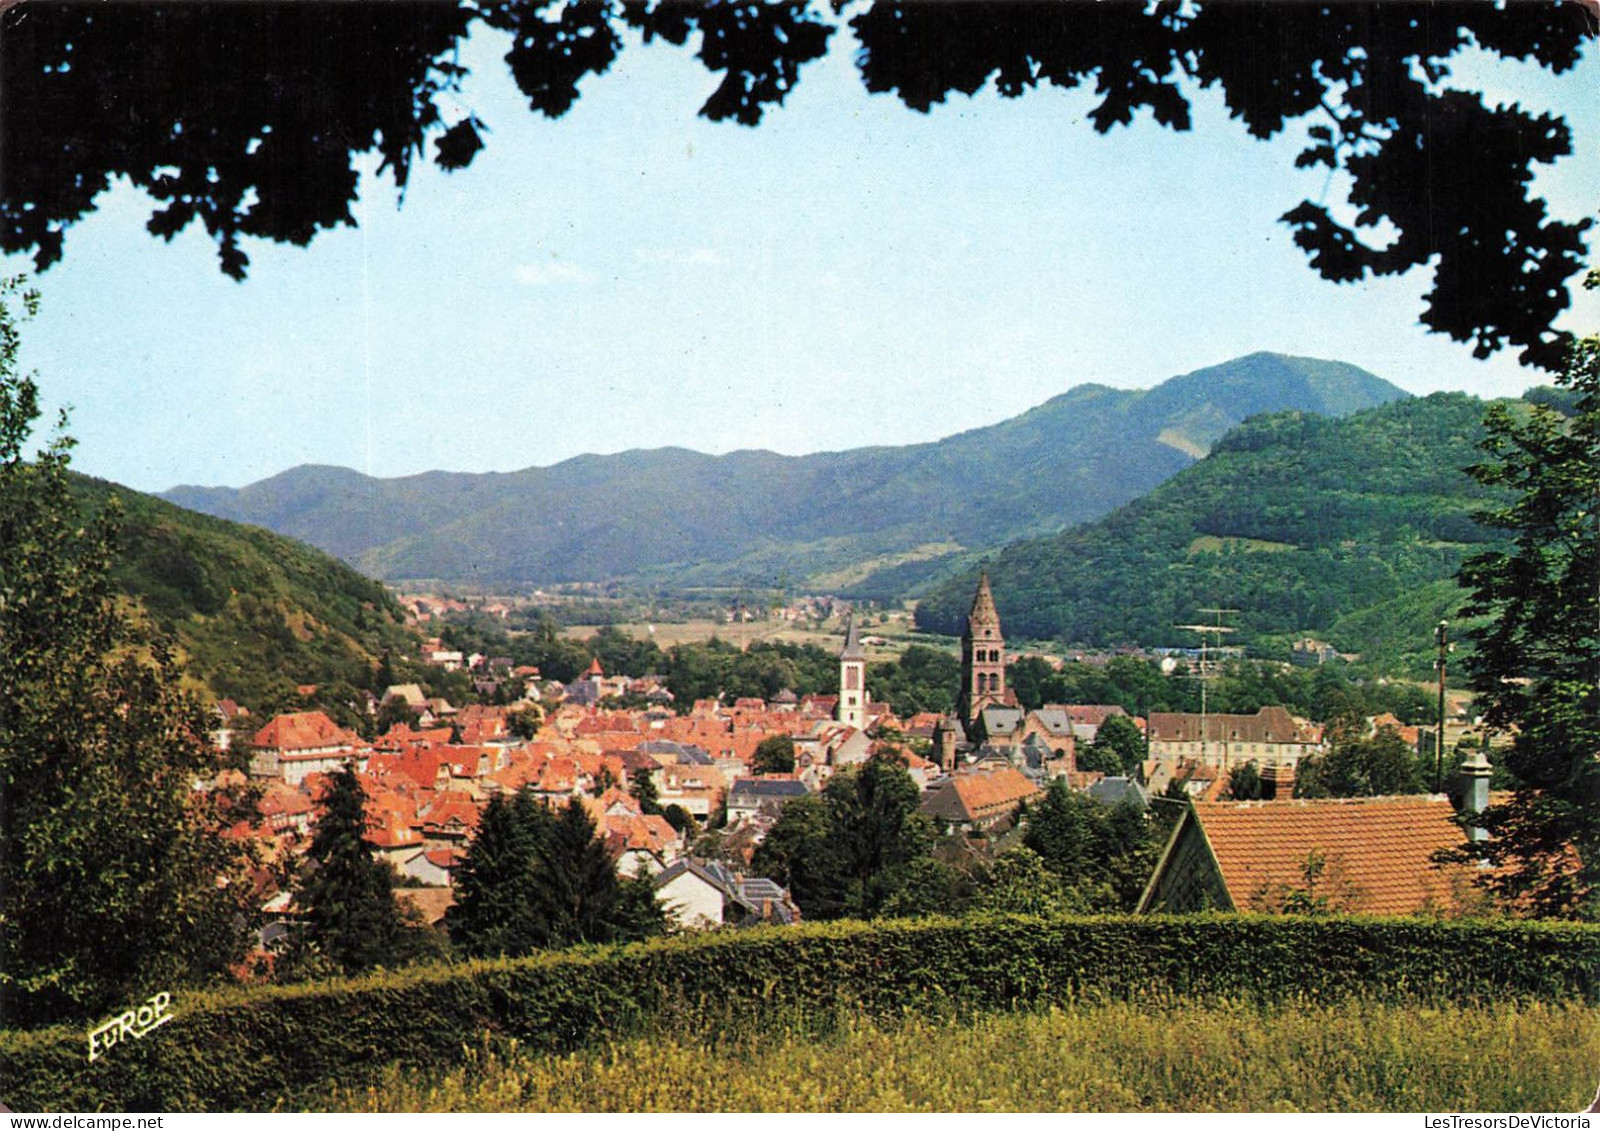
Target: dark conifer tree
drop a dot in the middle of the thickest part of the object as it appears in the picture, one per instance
(351, 913)
(493, 886)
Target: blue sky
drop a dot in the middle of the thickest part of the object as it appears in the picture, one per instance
(849, 273)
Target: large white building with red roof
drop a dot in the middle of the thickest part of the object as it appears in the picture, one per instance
(304, 742)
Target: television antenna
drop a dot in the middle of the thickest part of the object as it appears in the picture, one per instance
(1206, 631)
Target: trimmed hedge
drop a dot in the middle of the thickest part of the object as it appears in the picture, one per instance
(251, 1048)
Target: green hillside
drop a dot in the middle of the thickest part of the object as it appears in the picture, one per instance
(1351, 529)
(254, 613)
(682, 518)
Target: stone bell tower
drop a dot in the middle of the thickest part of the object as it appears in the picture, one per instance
(852, 709)
(983, 658)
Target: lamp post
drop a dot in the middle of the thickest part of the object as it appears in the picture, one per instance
(1442, 634)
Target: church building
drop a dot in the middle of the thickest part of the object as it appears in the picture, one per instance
(983, 660)
(852, 708)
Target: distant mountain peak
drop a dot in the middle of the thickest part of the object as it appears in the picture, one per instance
(676, 515)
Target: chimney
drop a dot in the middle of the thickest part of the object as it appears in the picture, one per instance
(1277, 782)
(1475, 773)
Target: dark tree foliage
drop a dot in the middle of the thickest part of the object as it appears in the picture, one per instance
(621, 654)
(1103, 856)
(720, 668)
(1244, 783)
(577, 896)
(922, 679)
(246, 117)
(929, 886)
(849, 851)
(1536, 665)
(348, 896)
(536, 878)
(1381, 766)
(642, 787)
(1119, 747)
(774, 755)
(801, 853)
(492, 914)
(114, 881)
(1029, 678)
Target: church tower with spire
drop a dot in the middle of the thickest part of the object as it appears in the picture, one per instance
(983, 658)
(852, 709)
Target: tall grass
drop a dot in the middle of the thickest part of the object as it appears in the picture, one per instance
(1212, 1055)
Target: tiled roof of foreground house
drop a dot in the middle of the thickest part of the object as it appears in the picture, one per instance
(1375, 853)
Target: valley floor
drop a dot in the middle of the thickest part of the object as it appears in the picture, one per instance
(1174, 1056)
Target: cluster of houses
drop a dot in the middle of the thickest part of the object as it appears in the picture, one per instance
(427, 784)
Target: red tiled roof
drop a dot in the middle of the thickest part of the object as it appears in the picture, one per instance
(981, 793)
(1376, 850)
(1270, 724)
(1090, 714)
(304, 730)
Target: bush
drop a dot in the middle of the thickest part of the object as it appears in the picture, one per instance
(252, 1048)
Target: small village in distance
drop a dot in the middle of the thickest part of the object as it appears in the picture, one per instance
(686, 797)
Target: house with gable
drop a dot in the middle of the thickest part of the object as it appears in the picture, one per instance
(304, 742)
(980, 798)
(700, 894)
(1270, 737)
(1366, 855)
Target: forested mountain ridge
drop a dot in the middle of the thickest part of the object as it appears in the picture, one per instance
(255, 614)
(754, 517)
(1351, 529)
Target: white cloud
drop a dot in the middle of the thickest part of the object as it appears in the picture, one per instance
(551, 274)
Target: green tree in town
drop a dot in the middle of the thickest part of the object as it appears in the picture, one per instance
(1244, 782)
(1068, 831)
(1536, 662)
(1119, 747)
(621, 654)
(928, 886)
(1379, 766)
(494, 899)
(847, 851)
(395, 711)
(922, 679)
(536, 878)
(875, 814)
(348, 896)
(114, 880)
(1102, 855)
(774, 755)
(1029, 677)
(642, 788)
(1019, 883)
(525, 721)
(577, 896)
(801, 853)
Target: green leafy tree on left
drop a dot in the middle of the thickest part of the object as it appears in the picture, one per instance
(115, 882)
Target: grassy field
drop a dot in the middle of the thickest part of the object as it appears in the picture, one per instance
(1177, 1056)
(897, 632)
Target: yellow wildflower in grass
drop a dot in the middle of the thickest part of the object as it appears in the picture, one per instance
(1172, 1054)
